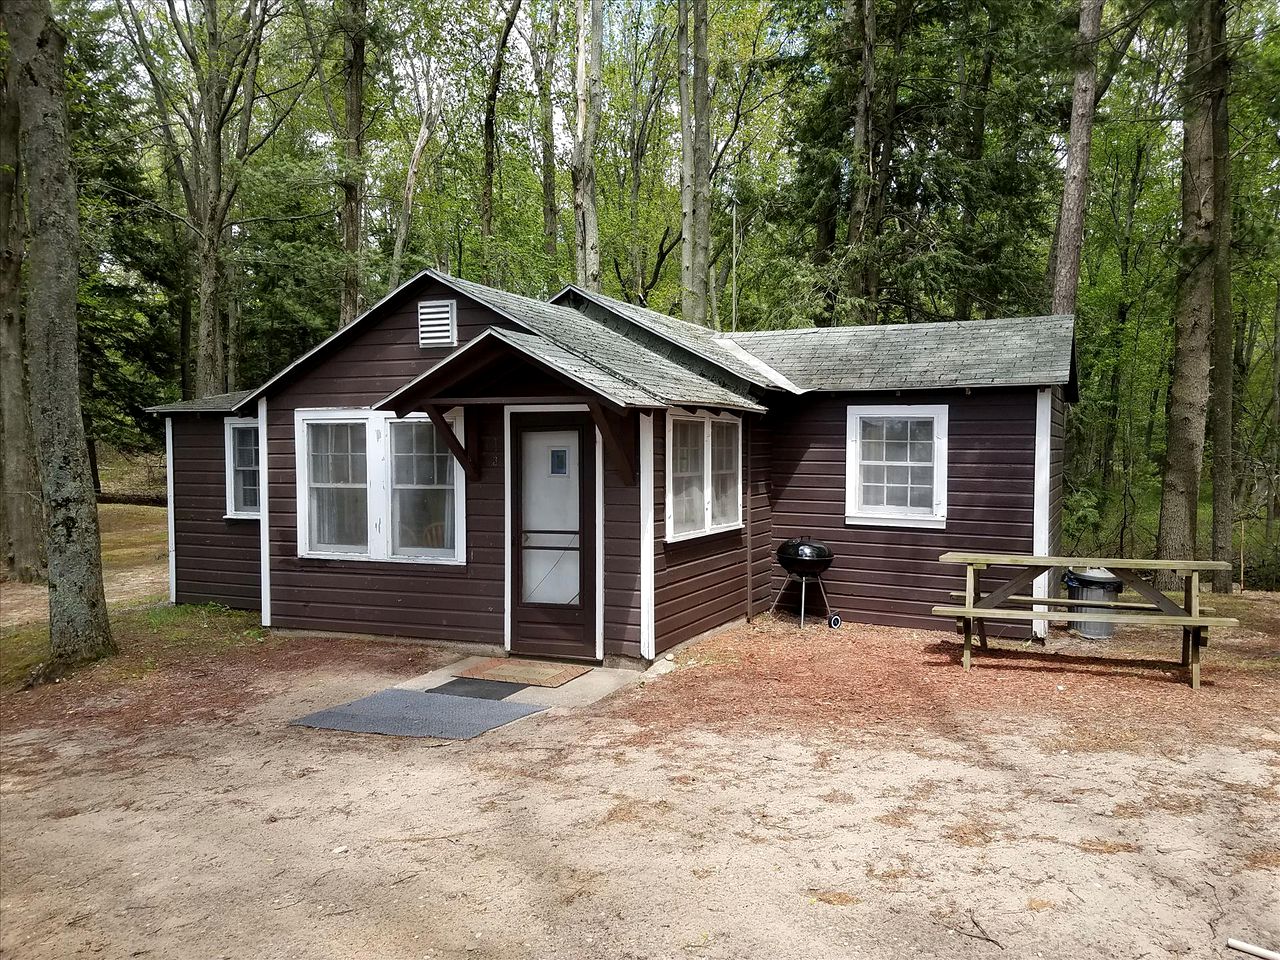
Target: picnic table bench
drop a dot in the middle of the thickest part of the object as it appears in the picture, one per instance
(1011, 600)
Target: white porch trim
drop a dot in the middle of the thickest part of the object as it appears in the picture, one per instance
(264, 514)
(1040, 505)
(168, 481)
(648, 535)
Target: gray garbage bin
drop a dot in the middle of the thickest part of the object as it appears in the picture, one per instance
(1095, 583)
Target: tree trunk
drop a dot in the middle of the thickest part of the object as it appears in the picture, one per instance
(684, 79)
(974, 148)
(1273, 470)
(1193, 305)
(211, 344)
(79, 631)
(701, 265)
(860, 19)
(1075, 187)
(355, 28)
(491, 137)
(543, 75)
(1222, 470)
(21, 509)
(405, 220)
(590, 19)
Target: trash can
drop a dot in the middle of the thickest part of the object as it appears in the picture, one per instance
(1095, 583)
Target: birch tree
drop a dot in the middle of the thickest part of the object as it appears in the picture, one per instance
(79, 631)
(543, 44)
(202, 63)
(588, 93)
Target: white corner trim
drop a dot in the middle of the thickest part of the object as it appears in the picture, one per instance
(168, 482)
(1040, 503)
(264, 512)
(648, 538)
(599, 544)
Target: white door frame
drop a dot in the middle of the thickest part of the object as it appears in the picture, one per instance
(508, 600)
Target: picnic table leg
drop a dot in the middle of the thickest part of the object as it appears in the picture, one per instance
(968, 642)
(1186, 646)
(977, 595)
(1195, 658)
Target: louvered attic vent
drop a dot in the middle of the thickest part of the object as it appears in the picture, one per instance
(436, 323)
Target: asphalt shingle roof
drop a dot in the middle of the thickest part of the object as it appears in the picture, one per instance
(1022, 351)
(218, 403)
(615, 355)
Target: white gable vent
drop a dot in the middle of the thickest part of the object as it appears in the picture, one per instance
(437, 323)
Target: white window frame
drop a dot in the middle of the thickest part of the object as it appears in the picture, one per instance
(707, 528)
(229, 426)
(378, 478)
(855, 513)
(453, 323)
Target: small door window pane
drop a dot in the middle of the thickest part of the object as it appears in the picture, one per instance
(559, 462)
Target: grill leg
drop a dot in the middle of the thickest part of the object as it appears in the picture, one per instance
(804, 583)
(826, 604)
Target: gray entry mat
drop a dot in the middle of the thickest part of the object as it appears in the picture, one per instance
(412, 713)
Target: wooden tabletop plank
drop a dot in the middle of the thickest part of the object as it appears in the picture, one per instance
(1150, 619)
(1025, 560)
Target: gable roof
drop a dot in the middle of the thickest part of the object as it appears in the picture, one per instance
(1021, 351)
(218, 403)
(568, 365)
(699, 340)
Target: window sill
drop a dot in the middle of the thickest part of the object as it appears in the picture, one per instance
(365, 558)
(241, 516)
(895, 520)
(699, 534)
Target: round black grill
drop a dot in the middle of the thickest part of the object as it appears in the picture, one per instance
(804, 556)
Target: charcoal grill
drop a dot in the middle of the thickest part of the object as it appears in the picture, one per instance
(805, 560)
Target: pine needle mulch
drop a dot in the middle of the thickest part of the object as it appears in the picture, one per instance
(771, 676)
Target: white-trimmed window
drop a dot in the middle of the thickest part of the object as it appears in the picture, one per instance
(241, 459)
(373, 487)
(704, 474)
(896, 466)
(437, 323)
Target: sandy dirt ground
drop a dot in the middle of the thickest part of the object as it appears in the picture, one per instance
(135, 565)
(178, 815)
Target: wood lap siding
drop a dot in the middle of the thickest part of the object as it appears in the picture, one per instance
(760, 486)
(1057, 466)
(216, 560)
(622, 554)
(891, 575)
(699, 584)
(419, 600)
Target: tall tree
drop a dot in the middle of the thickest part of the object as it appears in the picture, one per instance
(203, 66)
(543, 46)
(79, 631)
(1075, 188)
(428, 101)
(587, 87)
(1222, 421)
(21, 507)
(491, 137)
(701, 292)
(684, 81)
(860, 16)
(1193, 309)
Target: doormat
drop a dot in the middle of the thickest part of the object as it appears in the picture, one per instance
(412, 713)
(536, 673)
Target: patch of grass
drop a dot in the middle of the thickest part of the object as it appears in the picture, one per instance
(148, 638)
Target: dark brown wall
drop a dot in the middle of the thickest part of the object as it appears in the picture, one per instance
(1057, 467)
(427, 601)
(891, 575)
(699, 584)
(622, 552)
(216, 560)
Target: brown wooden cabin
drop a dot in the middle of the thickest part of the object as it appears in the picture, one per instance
(586, 478)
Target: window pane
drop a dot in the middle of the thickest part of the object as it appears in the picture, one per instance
(339, 519)
(872, 495)
(422, 496)
(688, 483)
(872, 451)
(922, 476)
(922, 452)
(872, 429)
(895, 451)
(245, 489)
(895, 429)
(725, 472)
(922, 430)
(922, 497)
(873, 474)
(339, 496)
(895, 496)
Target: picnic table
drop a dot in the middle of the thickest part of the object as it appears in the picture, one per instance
(1011, 600)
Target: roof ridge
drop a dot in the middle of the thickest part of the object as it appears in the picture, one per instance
(850, 327)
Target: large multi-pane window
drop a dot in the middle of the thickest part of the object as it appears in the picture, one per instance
(378, 488)
(422, 503)
(897, 465)
(242, 467)
(338, 487)
(704, 490)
